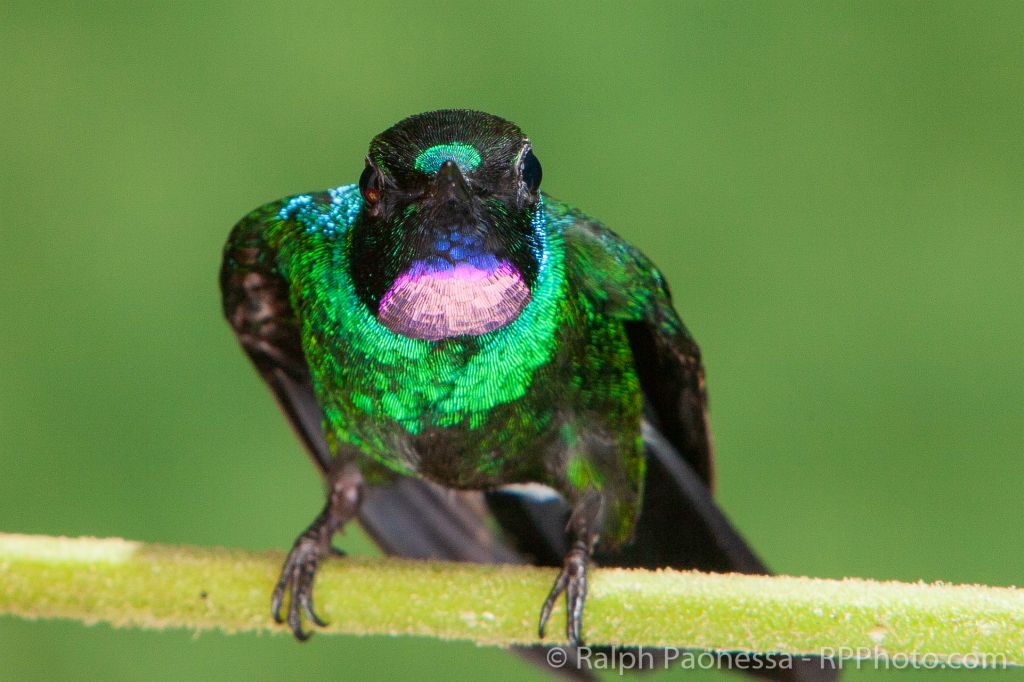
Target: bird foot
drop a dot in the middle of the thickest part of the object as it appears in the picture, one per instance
(297, 579)
(573, 582)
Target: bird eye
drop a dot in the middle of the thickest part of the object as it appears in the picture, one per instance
(369, 185)
(531, 170)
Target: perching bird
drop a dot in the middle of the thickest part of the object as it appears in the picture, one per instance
(444, 323)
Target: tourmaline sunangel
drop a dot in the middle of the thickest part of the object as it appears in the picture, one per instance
(443, 323)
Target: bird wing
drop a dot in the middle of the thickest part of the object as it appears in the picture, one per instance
(680, 525)
(257, 305)
(623, 284)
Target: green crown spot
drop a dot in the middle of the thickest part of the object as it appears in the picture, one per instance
(465, 156)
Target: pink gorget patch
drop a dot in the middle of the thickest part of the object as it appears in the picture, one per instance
(433, 304)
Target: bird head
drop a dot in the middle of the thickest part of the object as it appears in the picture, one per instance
(445, 244)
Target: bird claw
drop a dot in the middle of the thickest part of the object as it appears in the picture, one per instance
(573, 582)
(297, 579)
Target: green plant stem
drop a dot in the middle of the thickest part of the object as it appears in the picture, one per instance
(157, 586)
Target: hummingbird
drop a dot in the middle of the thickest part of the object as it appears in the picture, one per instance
(451, 344)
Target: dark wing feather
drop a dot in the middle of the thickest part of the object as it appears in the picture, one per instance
(680, 524)
(258, 307)
(672, 379)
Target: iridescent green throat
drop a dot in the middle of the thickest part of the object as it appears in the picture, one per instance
(417, 383)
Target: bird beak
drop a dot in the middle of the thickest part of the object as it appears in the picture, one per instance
(449, 183)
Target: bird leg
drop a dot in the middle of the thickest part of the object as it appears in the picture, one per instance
(572, 580)
(311, 547)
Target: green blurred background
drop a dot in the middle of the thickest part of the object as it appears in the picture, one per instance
(835, 192)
